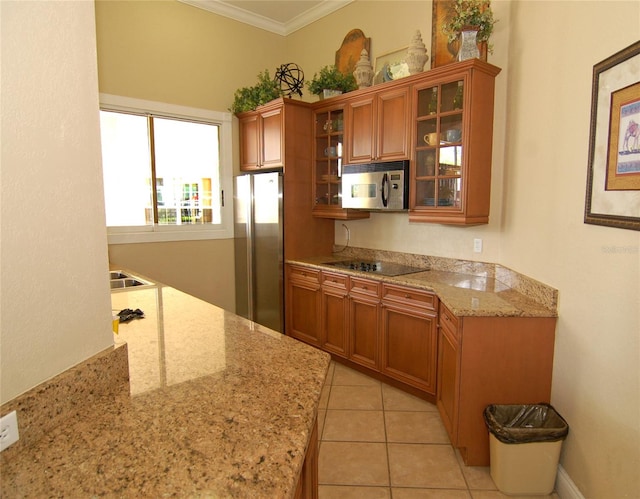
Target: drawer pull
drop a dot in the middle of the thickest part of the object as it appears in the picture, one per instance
(334, 280)
(407, 296)
(364, 287)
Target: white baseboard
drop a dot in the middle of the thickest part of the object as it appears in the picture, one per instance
(565, 487)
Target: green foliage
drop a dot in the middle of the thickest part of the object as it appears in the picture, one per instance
(249, 98)
(331, 78)
(475, 13)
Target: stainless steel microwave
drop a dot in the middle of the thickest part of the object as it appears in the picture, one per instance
(376, 186)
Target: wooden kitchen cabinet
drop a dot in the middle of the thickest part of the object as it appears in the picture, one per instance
(453, 133)
(409, 339)
(335, 314)
(328, 154)
(308, 482)
(489, 360)
(303, 302)
(448, 371)
(262, 137)
(378, 126)
(364, 320)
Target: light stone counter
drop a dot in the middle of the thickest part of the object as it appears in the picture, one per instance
(216, 406)
(466, 288)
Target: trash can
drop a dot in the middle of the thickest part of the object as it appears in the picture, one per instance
(524, 447)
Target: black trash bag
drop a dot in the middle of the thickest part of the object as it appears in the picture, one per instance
(518, 424)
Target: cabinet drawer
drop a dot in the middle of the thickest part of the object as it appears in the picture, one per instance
(409, 296)
(448, 320)
(304, 274)
(364, 287)
(334, 280)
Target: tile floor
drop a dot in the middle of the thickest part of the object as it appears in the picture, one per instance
(377, 442)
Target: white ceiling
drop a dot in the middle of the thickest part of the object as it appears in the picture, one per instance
(278, 16)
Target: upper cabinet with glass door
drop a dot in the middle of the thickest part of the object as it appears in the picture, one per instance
(453, 129)
(328, 159)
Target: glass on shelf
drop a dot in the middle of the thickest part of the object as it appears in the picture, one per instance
(426, 163)
(427, 101)
(458, 99)
(337, 121)
(334, 195)
(322, 120)
(449, 192)
(322, 194)
(425, 192)
(452, 94)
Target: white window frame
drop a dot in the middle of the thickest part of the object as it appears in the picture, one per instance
(162, 233)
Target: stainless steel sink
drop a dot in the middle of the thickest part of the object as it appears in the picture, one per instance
(117, 274)
(119, 280)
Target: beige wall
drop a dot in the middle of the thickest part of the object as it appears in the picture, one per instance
(56, 306)
(200, 268)
(540, 159)
(546, 50)
(596, 269)
(171, 52)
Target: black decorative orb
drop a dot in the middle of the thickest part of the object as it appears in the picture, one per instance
(291, 79)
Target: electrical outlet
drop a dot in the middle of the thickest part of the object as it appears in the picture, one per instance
(477, 245)
(8, 430)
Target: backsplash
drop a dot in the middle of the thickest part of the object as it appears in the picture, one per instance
(49, 404)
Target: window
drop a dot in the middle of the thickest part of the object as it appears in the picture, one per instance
(166, 169)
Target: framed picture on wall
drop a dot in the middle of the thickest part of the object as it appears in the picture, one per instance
(442, 51)
(613, 174)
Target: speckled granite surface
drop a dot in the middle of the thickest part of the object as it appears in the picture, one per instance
(217, 406)
(466, 288)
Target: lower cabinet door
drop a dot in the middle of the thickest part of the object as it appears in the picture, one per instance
(448, 384)
(363, 331)
(334, 323)
(409, 346)
(303, 312)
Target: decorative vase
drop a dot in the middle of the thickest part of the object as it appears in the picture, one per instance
(416, 54)
(468, 44)
(363, 72)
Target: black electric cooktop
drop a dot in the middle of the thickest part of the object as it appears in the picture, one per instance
(376, 267)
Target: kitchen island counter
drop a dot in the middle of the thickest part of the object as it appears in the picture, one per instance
(216, 406)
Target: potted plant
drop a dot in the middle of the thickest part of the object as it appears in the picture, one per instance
(331, 78)
(249, 98)
(473, 16)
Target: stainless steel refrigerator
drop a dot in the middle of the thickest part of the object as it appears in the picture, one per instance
(258, 233)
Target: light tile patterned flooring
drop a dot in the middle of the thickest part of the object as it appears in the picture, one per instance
(378, 442)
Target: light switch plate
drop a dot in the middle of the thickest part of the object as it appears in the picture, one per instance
(477, 245)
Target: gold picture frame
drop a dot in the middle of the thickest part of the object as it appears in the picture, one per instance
(613, 185)
(443, 52)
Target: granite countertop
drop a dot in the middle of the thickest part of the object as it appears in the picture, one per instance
(217, 406)
(471, 293)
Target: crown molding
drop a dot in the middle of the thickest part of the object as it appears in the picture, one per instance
(244, 16)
